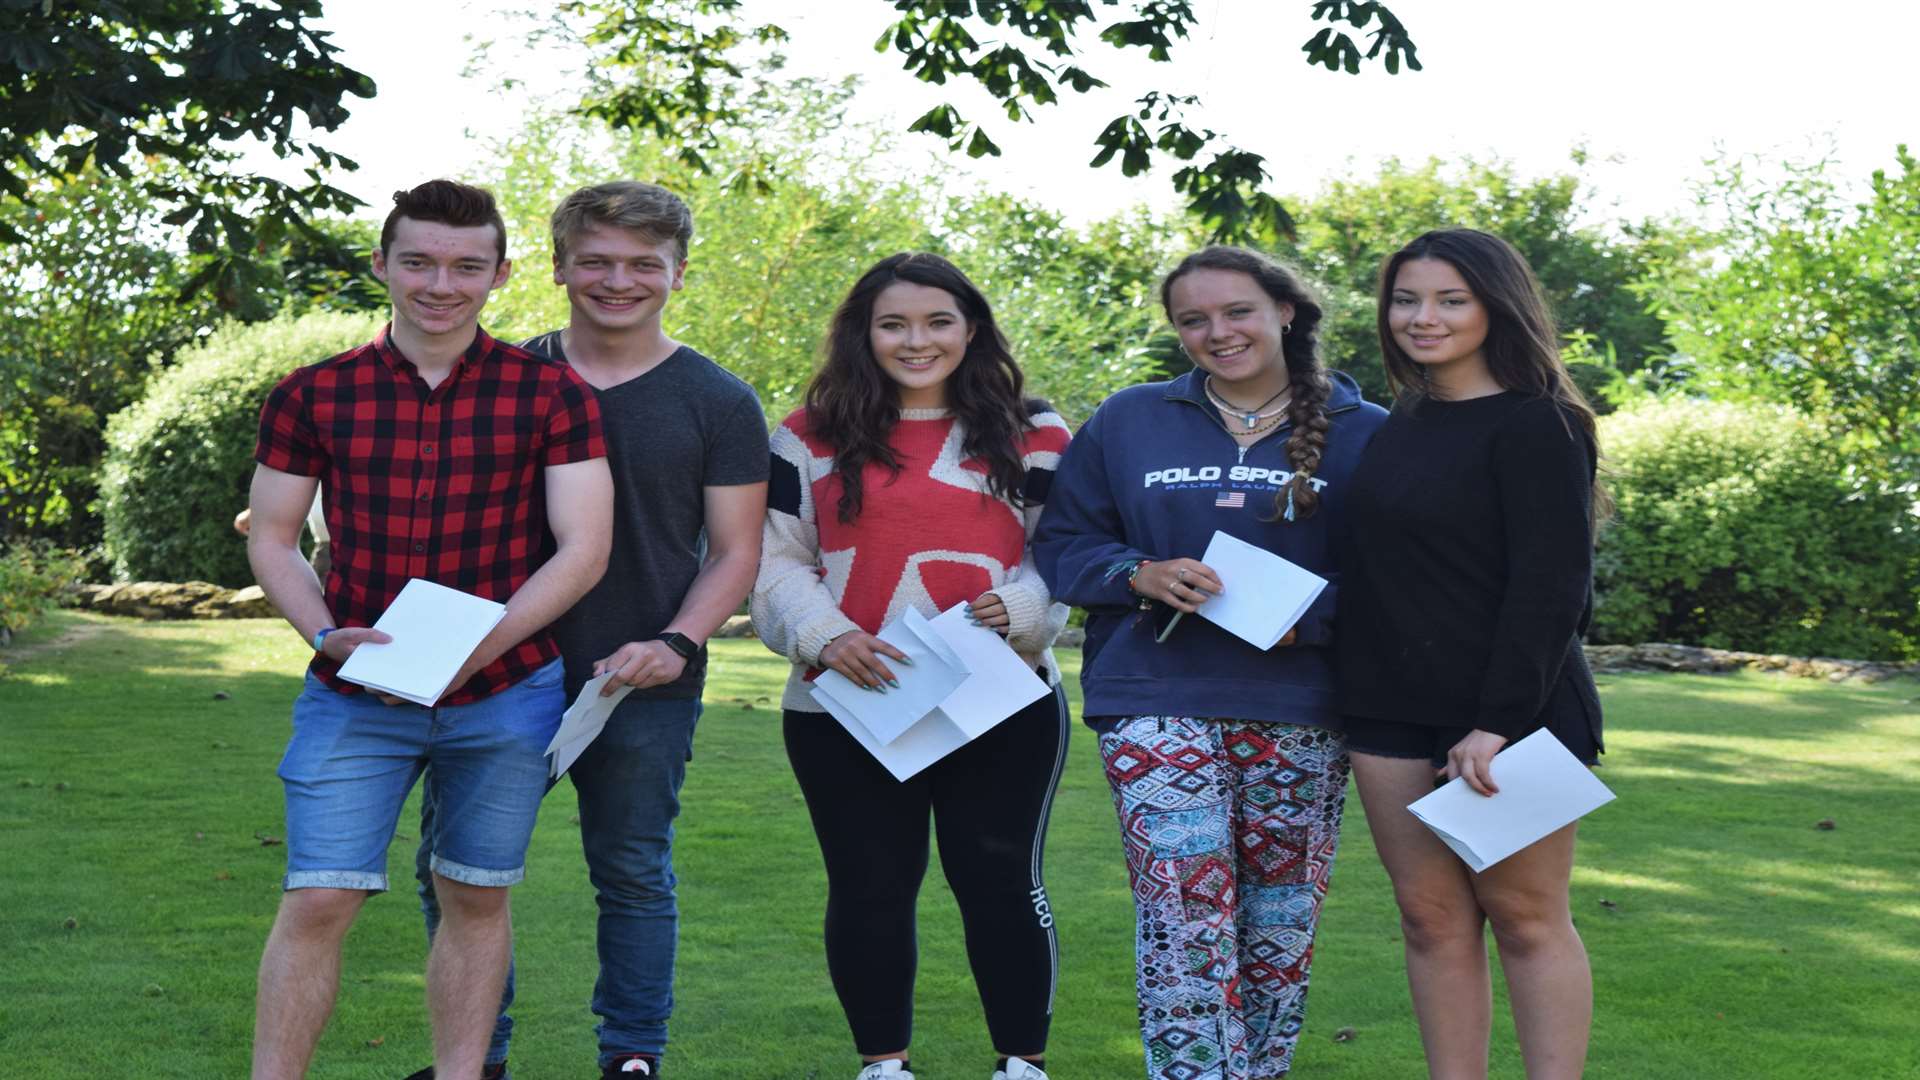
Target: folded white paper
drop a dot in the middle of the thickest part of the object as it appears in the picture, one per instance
(434, 630)
(935, 672)
(582, 723)
(1264, 593)
(998, 685)
(1542, 788)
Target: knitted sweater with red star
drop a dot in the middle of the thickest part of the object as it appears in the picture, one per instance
(928, 538)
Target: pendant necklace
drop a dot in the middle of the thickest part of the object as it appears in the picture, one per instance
(1252, 416)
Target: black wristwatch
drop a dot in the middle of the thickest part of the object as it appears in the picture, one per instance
(681, 644)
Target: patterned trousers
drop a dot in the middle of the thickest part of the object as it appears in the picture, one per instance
(1230, 829)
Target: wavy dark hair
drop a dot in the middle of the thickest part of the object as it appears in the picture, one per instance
(853, 405)
(1299, 348)
(1522, 349)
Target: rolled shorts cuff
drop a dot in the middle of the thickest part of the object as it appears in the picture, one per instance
(474, 875)
(334, 879)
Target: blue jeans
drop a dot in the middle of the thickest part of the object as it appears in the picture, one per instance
(628, 784)
(351, 761)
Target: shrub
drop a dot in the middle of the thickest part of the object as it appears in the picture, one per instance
(1738, 529)
(178, 463)
(31, 577)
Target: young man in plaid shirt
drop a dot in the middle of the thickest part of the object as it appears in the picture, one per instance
(449, 456)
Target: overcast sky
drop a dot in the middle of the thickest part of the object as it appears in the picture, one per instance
(1649, 87)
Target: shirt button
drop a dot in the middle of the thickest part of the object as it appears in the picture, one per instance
(427, 449)
(419, 547)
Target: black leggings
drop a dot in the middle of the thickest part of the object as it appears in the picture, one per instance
(990, 801)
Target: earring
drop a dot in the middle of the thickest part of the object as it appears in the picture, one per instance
(1285, 328)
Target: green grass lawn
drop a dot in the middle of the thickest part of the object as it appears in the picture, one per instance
(138, 875)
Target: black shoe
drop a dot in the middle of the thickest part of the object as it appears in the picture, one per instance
(631, 1067)
(491, 1072)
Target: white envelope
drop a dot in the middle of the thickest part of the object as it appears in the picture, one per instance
(582, 723)
(999, 684)
(924, 684)
(434, 630)
(1265, 594)
(1542, 788)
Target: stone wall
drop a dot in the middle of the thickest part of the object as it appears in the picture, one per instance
(172, 600)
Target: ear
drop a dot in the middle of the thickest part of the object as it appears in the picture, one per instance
(680, 276)
(502, 273)
(1286, 313)
(558, 277)
(379, 264)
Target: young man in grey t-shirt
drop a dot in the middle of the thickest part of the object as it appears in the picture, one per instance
(688, 446)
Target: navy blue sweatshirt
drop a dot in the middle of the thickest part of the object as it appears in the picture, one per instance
(1152, 475)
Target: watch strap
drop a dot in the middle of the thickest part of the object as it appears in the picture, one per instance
(681, 644)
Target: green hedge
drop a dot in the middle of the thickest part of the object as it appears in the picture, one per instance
(31, 577)
(1739, 528)
(178, 463)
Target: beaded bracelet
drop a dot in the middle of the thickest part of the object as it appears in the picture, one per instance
(1146, 602)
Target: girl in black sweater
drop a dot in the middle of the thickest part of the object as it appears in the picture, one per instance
(1460, 613)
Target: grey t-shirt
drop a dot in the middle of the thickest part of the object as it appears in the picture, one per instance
(686, 425)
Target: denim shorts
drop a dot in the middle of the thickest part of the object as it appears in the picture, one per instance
(352, 760)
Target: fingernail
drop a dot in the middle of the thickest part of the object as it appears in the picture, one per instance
(906, 661)
(882, 689)
(895, 683)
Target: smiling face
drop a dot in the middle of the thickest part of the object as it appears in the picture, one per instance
(438, 276)
(1232, 329)
(1437, 321)
(618, 279)
(918, 337)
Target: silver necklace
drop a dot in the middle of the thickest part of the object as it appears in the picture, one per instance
(1249, 417)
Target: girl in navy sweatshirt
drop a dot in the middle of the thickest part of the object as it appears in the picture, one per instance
(1227, 763)
(1467, 591)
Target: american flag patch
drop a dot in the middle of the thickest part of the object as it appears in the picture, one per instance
(1233, 499)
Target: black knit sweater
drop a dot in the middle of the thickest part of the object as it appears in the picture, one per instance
(1468, 577)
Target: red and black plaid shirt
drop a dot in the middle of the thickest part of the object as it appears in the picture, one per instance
(442, 483)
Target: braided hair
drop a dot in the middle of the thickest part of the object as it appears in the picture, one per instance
(1299, 348)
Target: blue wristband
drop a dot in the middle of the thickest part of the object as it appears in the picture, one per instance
(320, 638)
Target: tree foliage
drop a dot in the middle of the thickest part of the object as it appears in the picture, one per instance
(1811, 300)
(768, 265)
(663, 67)
(105, 84)
(1349, 228)
(87, 308)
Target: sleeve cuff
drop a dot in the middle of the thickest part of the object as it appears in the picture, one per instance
(815, 635)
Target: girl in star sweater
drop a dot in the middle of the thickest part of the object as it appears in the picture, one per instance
(912, 478)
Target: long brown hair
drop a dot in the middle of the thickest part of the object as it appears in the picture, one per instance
(853, 405)
(1523, 345)
(1299, 348)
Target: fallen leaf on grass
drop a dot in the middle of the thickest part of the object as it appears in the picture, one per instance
(71, 923)
(1345, 1034)
(1824, 825)
(265, 840)
(154, 990)
(1609, 905)
(223, 875)
(377, 1041)
(221, 695)
(199, 836)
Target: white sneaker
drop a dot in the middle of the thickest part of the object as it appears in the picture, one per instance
(892, 1067)
(1019, 1069)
